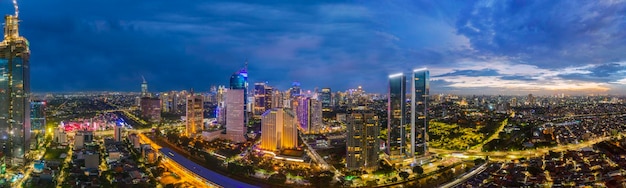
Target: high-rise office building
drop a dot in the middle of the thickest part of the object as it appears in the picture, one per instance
(396, 117)
(309, 113)
(38, 116)
(277, 99)
(268, 98)
(295, 90)
(195, 114)
(420, 86)
(235, 115)
(326, 98)
(362, 140)
(37, 122)
(151, 108)
(259, 98)
(144, 88)
(278, 130)
(239, 81)
(14, 94)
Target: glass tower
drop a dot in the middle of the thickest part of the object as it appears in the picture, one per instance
(396, 117)
(420, 86)
(14, 94)
(326, 97)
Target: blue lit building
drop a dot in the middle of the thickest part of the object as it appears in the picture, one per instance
(295, 89)
(420, 86)
(14, 94)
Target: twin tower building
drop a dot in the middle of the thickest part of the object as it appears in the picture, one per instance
(407, 122)
(407, 125)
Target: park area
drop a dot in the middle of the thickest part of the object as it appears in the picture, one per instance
(462, 137)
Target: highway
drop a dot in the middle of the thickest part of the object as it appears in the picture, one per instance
(319, 159)
(465, 177)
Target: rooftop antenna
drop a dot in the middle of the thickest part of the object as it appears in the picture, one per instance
(17, 12)
(144, 79)
(246, 66)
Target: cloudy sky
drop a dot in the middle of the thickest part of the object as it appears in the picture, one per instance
(470, 47)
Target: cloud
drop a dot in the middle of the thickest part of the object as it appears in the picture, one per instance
(546, 33)
(469, 46)
(472, 73)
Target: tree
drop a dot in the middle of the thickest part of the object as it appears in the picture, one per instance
(198, 145)
(418, 170)
(184, 140)
(404, 175)
(533, 170)
(479, 161)
(277, 178)
(322, 179)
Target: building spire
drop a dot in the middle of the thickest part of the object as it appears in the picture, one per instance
(246, 66)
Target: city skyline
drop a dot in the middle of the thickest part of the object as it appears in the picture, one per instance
(477, 47)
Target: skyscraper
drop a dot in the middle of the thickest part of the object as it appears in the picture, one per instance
(235, 114)
(259, 98)
(278, 130)
(420, 86)
(277, 99)
(151, 108)
(309, 113)
(268, 98)
(396, 117)
(195, 112)
(14, 94)
(325, 97)
(362, 140)
(295, 90)
(239, 80)
(144, 88)
(38, 116)
(38, 122)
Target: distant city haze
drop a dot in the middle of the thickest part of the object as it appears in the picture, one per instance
(469, 47)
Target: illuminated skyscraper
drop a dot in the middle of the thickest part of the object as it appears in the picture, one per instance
(14, 94)
(295, 90)
(326, 98)
(144, 88)
(268, 98)
(239, 81)
(309, 113)
(235, 114)
(194, 114)
(277, 99)
(396, 117)
(38, 116)
(260, 98)
(362, 140)
(151, 108)
(278, 130)
(37, 122)
(420, 86)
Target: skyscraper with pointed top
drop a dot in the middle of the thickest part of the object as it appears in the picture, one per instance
(14, 94)
(144, 88)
